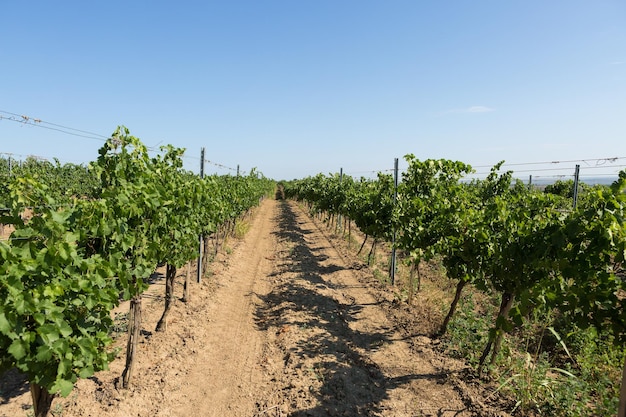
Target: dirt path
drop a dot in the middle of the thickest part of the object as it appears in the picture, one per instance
(285, 326)
(330, 345)
(226, 375)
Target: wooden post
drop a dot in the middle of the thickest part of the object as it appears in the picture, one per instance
(186, 285)
(170, 276)
(42, 400)
(134, 328)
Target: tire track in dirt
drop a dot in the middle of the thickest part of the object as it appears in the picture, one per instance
(226, 374)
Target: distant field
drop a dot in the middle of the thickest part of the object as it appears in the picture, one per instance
(606, 180)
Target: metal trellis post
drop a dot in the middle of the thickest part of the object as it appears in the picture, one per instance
(575, 192)
(393, 237)
(200, 237)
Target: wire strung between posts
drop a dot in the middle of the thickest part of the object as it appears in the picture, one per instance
(597, 160)
(32, 121)
(599, 163)
(195, 158)
(220, 165)
(18, 157)
(551, 169)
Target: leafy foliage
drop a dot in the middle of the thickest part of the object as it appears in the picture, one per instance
(56, 299)
(530, 247)
(75, 250)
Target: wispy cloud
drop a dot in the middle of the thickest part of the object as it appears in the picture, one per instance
(471, 109)
(478, 109)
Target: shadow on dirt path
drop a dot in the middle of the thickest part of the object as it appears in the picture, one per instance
(286, 326)
(324, 357)
(12, 385)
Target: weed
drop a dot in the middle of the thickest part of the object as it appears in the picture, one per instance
(241, 228)
(318, 373)
(57, 410)
(533, 382)
(380, 276)
(120, 325)
(468, 331)
(565, 376)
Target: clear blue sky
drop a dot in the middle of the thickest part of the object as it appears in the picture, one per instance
(300, 87)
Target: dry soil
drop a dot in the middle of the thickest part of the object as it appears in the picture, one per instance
(288, 323)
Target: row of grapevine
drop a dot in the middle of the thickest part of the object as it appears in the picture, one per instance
(64, 181)
(368, 203)
(501, 236)
(68, 263)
